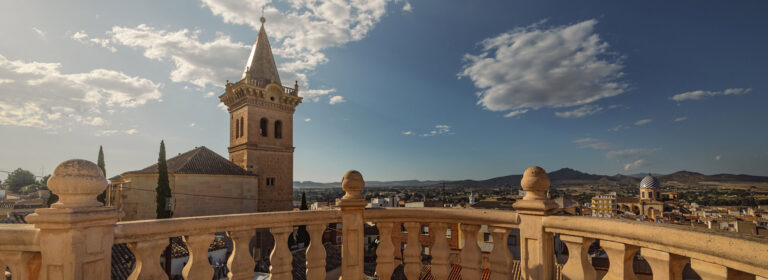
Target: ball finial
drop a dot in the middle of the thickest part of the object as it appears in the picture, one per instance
(77, 182)
(353, 185)
(535, 183)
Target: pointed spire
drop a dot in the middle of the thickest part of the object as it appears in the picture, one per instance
(261, 64)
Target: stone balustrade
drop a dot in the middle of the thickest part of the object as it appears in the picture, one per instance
(73, 239)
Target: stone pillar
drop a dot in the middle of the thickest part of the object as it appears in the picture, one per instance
(536, 245)
(352, 205)
(76, 233)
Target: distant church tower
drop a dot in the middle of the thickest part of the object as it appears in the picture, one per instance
(261, 126)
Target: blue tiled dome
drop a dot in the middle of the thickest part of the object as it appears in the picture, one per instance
(650, 182)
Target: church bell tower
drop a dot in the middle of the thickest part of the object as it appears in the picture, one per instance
(261, 126)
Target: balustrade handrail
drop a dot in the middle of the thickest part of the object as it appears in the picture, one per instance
(742, 253)
(446, 215)
(163, 228)
(19, 237)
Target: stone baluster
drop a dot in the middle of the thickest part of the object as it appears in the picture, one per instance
(621, 258)
(316, 252)
(281, 259)
(578, 265)
(536, 245)
(240, 262)
(23, 265)
(500, 257)
(471, 256)
(711, 271)
(664, 266)
(441, 253)
(385, 259)
(198, 266)
(412, 254)
(352, 206)
(148, 257)
(77, 233)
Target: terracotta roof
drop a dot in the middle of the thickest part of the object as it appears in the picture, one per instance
(455, 274)
(200, 160)
(627, 199)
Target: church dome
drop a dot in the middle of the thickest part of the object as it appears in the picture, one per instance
(650, 182)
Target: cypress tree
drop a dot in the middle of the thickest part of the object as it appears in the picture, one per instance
(163, 190)
(303, 234)
(102, 197)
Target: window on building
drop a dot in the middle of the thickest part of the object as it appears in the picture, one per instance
(278, 129)
(263, 127)
(338, 239)
(270, 181)
(242, 126)
(402, 228)
(237, 128)
(487, 236)
(425, 251)
(424, 229)
(448, 233)
(643, 194)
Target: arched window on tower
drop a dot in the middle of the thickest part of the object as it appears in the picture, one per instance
(242, 126)
(237, 128)
(278, 129)
(263, 127)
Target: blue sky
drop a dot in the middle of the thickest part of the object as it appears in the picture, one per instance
(397, 89)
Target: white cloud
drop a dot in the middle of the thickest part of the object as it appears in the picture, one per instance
(222, 107)
(209, 94)
(307, 120)
(407, 7)
(110, 132)
(39, 32)
(628, 153)
(83, 37)
(42, 96)
(440, 129)
(96, 121)
(594, 143)
(717, 157)
(336, 99)
(535, 67)
(580, 112)
(633, 165)
(618, 127)
(192, 124)
(516, 113)
(701, 94)
(681, 119)
(314, 94)
(643, 121)
(196, 62)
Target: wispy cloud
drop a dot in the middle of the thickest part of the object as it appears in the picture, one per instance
(336, 99)
(111, 132)
(643, 122)
(192, 124)
(39, 32)
(717, 157)
(634, 165)
(618, 128)
(535, 67)
(440, 129)
(407, 7)
(594, 143)
(701, 94)
(307, 120)
(580, 112)
(681, 119)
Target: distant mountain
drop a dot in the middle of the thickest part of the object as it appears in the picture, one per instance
(642, 175)
(564, 176)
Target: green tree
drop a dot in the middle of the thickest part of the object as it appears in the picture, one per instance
(18, 179)
(302, 233)
(163, 190)
(102, 197)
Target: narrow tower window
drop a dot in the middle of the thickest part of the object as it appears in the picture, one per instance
(278, 129)
(242, 126)
(237, 128)
(263, 127)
